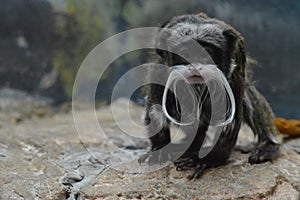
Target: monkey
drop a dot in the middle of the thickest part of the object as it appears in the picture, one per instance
(226, 47)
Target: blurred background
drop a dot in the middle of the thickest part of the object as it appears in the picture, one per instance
(43, 43)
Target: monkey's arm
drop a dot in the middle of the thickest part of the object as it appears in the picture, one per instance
(154, 119)
(259, 116)
(157, 126)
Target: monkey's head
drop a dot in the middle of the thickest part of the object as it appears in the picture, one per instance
(200, 39)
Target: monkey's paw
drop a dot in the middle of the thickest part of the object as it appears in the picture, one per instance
(264, 153)
(187, 161)
(155, 157)
(190, 160)
(162, 155)
(198, 171)
(191, 163)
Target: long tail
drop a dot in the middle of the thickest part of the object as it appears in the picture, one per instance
(288, 127)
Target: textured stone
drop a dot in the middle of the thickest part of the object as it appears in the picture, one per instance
(44, 158)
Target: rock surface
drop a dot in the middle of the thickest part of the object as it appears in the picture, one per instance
(45, 158)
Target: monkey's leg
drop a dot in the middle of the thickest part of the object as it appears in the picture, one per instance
(259, 116)
(189, 158)
(161, 139)
(194, 141)
(159, 132)
(156, 124)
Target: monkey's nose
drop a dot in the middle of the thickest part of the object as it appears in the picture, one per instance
(195, 70)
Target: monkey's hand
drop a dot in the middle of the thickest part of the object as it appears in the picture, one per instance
(188, 160)
(191, 161)
(161, 156)
(154, 157)
(264, 153)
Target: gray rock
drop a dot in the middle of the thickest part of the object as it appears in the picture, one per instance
(45, 158)
(17, 106)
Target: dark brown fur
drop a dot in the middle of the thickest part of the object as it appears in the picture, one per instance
(250, 105)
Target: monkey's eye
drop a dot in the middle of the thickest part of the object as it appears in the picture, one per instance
(178, 60)
(207, 47)
(209, 51)
(185, 53)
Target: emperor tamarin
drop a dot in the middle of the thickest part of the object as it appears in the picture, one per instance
(225, 47)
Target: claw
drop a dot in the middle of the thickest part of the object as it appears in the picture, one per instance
(185, 163)
(198, 172)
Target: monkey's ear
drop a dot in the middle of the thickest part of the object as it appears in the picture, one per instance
(235, 45)
(232, 37)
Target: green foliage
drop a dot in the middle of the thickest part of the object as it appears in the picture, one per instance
(81, 29)
(132, 13)
(84, 24)
(270, 29)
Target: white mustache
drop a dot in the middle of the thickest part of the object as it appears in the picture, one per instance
(221, 95)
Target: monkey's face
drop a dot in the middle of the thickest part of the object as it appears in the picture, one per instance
(193, 39)
(204, 53)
